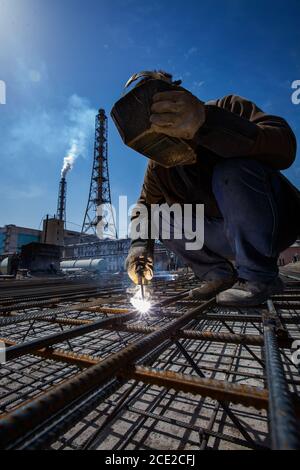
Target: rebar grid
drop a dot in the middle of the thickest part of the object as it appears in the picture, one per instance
(140, 415)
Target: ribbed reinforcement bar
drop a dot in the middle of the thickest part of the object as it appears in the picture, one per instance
(283, 424)
(13, 425)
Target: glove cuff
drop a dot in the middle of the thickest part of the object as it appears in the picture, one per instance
(135, 253)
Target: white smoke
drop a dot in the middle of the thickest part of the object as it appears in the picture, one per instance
(68, 131)
(67, 166)
(69, 160)
(82, 119)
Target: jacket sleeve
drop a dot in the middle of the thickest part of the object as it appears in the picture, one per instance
(150, 194)
(236, 127)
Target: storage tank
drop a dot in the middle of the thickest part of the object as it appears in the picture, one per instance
(91, 265)
(5, 267)
(9, 265)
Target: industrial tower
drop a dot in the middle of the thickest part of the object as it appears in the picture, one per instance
(61, 203)
(100, 188)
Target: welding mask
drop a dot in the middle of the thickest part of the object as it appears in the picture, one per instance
(132, 112)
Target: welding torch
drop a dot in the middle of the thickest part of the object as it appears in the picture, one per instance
(140, 273)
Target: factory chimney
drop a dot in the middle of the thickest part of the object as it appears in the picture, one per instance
(67, 166)
(61, 203)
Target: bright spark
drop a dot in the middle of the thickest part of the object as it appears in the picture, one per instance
(140, 304)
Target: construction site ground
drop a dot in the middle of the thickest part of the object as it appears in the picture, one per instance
(84, 370)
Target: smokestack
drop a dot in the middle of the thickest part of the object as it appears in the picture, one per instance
(61, 203)
(68, 164)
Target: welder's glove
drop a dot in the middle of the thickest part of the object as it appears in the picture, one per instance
(177, 114)
(139, 257)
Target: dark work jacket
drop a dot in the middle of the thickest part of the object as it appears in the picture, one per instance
(234, 127)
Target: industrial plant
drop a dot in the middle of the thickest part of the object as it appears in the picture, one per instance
(55, 249)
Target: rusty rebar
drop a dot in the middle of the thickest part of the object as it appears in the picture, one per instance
(216, 389)
(18, 422)
(285, 433)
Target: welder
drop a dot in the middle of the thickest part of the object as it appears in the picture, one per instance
(228, 155)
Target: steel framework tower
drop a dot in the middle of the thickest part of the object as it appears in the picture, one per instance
(61, 203)
(100, 188)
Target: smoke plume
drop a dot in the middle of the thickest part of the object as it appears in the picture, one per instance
(69, 160)
(79, 133)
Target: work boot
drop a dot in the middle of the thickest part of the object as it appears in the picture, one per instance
(210, 289)
(250, 293)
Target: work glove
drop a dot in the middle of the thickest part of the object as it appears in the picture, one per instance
(139, 263)
(177, 114)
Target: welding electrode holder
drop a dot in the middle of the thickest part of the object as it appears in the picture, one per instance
(141, 279)
(131, 114)
(140, 273)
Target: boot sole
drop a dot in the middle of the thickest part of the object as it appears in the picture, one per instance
(211, 295)
(249, 303)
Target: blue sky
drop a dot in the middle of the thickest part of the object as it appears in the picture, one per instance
(64, 59)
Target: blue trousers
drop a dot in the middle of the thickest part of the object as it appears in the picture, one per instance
(254, 227)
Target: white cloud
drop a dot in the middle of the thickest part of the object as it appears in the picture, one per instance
(28, 74)
(192, 51)
(82, 118)
(49, 134)
(198, 84)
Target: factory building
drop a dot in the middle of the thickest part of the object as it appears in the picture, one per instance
(13, 238)
(115, 252)
(53, 231)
